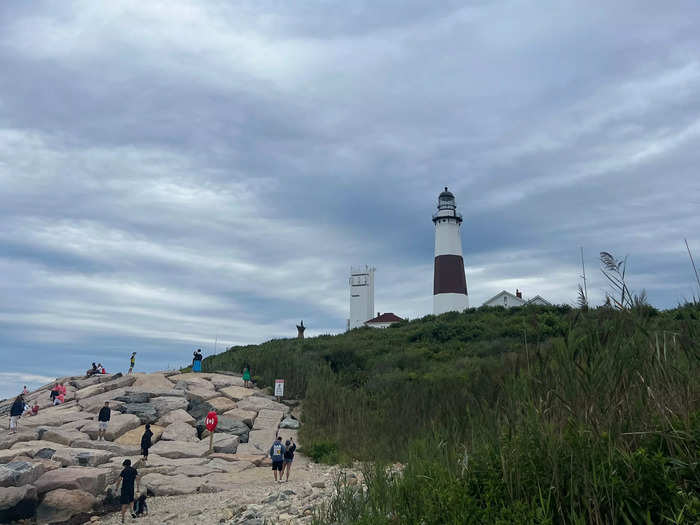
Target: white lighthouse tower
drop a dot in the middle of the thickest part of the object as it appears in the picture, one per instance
(449, 281)
(361, 296)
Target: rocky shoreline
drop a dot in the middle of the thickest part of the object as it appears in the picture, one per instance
(53, 470)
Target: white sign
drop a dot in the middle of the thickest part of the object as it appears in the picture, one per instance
(279, 387)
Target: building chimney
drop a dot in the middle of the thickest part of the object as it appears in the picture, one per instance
(518, 294)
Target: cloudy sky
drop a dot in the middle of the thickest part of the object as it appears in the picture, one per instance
(189, 174)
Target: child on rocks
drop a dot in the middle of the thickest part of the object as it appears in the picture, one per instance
(140, 507)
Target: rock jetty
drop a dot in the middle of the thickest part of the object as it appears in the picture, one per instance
(53, 470)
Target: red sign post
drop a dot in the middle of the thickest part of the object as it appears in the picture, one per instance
(210, 422)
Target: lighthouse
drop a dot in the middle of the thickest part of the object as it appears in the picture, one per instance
(449, 282)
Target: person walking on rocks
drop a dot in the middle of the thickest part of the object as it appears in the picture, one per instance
(103, 421)
(128, 479)
(16, 411)
(246, 376)
(132, 362)
(277, 451)
(146, 442)
(290, 447)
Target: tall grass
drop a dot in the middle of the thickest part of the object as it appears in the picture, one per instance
(601, 426)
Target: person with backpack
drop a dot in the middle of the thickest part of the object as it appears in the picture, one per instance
(290, 447)
(277, 451)
(16, 411)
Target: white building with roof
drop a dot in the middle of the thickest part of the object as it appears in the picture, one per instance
(509, 300)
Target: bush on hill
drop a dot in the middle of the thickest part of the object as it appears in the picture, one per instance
(527, 415)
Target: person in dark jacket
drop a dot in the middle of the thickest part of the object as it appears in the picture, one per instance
(103, 421)
(16, 411)
(146, 442)
(289, 448)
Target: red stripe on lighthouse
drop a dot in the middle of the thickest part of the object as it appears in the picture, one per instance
(449, 275)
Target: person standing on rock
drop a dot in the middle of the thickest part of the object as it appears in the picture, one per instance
(128, 480)
(277, 451)
(246, 376)
(290, 447)
(146, 442)
(16, 411)
(103, 421)
(132, 362)
(197, 361)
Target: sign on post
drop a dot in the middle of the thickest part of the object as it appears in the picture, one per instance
(279, 387)
(210, 422)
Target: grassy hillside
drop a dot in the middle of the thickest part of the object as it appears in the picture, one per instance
(530, 415)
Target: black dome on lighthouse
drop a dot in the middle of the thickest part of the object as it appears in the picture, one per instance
(446, 195)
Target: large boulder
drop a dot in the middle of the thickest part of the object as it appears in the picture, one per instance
(94, 403)
(165, 404)
(231, 466)
(81, 457)
(62, 504)
(179, 449)
(200, 392)
(62, 437)
(28, 434)
(17, 473)
(110, 446)
(17, 503)
(160, 485)
(89, 479)
(90, 391)
(268, 419)
(152, 383)
(133, 437)
(224, 443)
(119, 424)
(262, 439)
(199, 409)
(247, 416)
(146, 412)
(229, 425)
(222, 404)
(80, 384)
(135, 397)
(180, 432)
(221, 381)
(54, 417)
(237, 392)
(176, 416)
(259, 403)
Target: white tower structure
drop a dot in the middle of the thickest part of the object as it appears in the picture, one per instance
(449, 281)
(361, 296)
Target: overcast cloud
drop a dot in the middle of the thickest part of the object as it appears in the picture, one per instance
(187, 174)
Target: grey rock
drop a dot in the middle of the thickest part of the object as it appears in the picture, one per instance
(289, 422)
(166, 404)
(61, 504)
(18, 473)
(229, 425)
(134, 397)
(198, 408)
(146, 412)
(89, 479)
(17, 503)
(45, 453)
